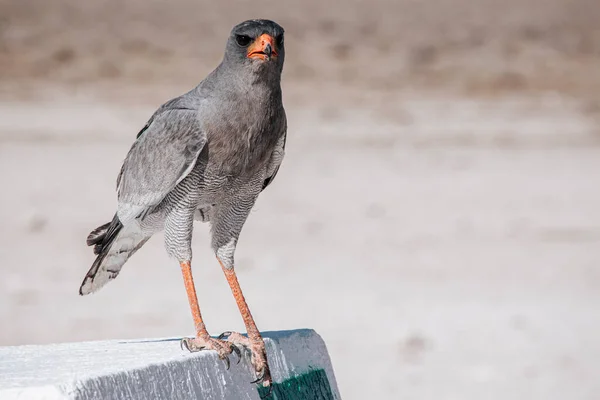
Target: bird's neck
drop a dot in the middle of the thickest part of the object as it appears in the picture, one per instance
(258, 82)
(249, 122)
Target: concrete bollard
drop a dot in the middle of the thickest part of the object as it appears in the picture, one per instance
(159, 369)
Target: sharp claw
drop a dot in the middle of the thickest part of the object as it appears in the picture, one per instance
(260, 376)
(270, 392)
(222, 335)
(237, 351)
(184, 343)
(226, 359)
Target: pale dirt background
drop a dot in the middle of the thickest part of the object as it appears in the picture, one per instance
(436, 218)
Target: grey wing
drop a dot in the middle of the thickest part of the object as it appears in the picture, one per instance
(164, 153)
(275, 161)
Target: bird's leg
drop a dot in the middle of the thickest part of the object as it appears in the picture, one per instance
(254, 341)
(202, 340)
(228, 219)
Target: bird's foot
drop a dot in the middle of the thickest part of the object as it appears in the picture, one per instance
(222, 347)
(258, 355)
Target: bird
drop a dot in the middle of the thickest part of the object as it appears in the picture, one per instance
(205, 156)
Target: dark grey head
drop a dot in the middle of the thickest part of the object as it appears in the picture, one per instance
(257, 44)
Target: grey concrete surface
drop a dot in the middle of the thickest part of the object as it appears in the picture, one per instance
(160, 369)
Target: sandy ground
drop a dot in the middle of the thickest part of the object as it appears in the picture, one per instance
(436, 218)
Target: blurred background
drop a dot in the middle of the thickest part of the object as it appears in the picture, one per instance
(436, 218)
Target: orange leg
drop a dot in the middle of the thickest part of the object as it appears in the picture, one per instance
(241, 303)
(254, 341)
(190, 288)
(202, 340)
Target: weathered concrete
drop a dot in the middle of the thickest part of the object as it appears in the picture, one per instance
(159, 369)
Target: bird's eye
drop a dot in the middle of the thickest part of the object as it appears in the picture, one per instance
(279, 40)
(243, 40)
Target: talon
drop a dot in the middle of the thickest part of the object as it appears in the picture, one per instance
(184, 343)
(269, 393)
(237, 351)
(222, 335)
(226, 359)
(190, 346)
(261, 376)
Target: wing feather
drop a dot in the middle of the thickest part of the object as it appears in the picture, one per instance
(276, 159)
(164, 153)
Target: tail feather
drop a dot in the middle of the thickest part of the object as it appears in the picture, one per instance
(97, 235)
(113, 245)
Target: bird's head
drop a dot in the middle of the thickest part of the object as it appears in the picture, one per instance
(256, 44)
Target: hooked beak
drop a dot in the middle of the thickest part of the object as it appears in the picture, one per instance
(263, 48)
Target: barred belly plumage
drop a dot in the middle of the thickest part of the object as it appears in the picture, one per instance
(202, 195)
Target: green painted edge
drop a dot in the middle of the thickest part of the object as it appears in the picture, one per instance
(312, 385)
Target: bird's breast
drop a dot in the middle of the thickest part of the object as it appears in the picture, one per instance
(240, 146)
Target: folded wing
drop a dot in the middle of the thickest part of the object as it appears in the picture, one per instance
(275, 161)
(163, 154)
